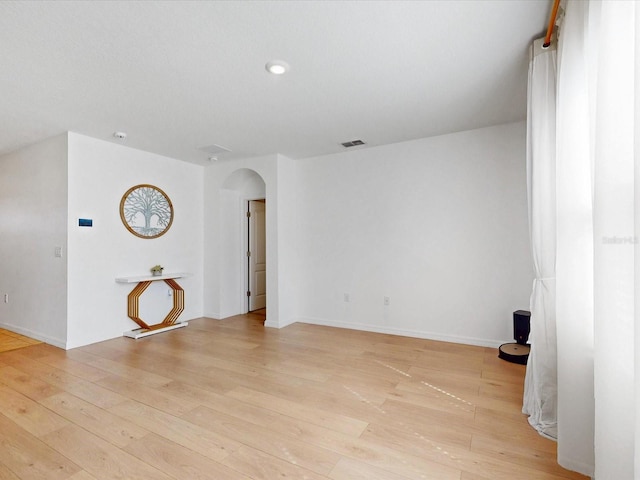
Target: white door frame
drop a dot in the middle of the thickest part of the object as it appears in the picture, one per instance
(245, 245)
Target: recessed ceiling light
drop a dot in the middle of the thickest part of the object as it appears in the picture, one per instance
(277, 67)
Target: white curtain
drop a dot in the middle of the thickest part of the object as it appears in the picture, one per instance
(540, 392)
(574, 264)
(597, 250)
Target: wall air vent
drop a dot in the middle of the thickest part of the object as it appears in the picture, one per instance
(352, 143)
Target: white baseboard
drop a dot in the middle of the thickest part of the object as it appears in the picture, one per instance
(56, 342)
(576, 466)
(479, 342)
(272, 324)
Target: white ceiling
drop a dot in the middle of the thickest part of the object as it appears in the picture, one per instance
(180, 75)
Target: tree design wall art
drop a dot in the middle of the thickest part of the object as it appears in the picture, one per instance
(146, 211)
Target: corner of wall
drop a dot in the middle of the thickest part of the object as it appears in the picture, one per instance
(33, 206)
(100, 172)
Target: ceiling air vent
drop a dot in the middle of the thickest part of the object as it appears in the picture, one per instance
(352, 143)
(214, 149)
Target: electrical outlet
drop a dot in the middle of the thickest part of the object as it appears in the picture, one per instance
(6, 298)
(386, 300)
(170, 292)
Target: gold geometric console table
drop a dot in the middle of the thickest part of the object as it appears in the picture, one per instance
(133, 304)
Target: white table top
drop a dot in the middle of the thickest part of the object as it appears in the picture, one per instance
(151, 278)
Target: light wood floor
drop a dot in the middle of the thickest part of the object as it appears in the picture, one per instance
(230, 400)
(11, 341)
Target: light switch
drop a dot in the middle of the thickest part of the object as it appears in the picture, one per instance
(58, 252)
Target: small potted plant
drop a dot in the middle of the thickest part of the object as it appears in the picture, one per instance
(157, 270)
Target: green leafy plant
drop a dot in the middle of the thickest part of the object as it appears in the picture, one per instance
(157, 268)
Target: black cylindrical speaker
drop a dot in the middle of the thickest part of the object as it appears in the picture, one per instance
(521, 326)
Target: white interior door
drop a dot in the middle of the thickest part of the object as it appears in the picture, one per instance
(257, 256)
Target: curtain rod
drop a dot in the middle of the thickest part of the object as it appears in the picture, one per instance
(552, 21)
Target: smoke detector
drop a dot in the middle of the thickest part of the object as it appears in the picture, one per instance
(120, 135)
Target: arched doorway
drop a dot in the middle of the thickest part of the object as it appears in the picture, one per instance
(244, 236)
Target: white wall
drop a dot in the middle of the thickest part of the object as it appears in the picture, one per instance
(33, 221)
(438, 225)
(289, 271)
(100, 173)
